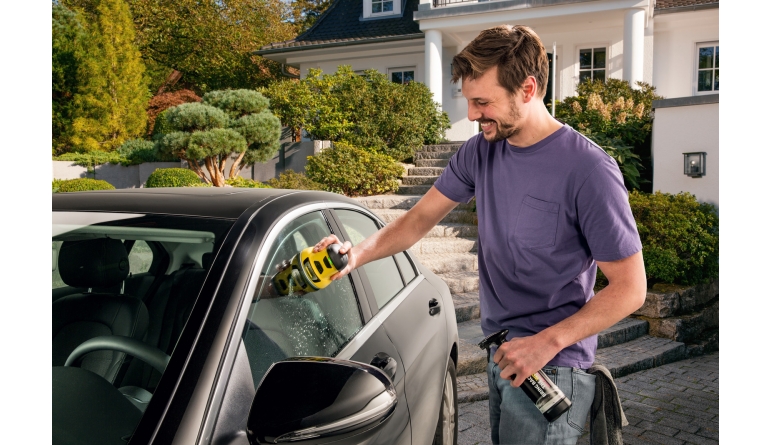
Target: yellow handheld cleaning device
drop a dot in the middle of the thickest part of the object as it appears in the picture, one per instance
(309, 271)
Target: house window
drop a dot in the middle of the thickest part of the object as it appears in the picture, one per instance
(402, 75)
(379, 6)
(593, 64)
(707, 75)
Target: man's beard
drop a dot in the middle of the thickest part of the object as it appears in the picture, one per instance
(504, 130)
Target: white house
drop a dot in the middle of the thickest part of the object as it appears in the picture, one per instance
(671, 44)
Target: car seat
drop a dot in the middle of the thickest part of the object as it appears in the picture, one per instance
(95, 263)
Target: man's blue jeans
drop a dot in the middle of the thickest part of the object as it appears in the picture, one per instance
(515, 420)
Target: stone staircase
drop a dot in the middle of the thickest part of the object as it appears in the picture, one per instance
(449, 250)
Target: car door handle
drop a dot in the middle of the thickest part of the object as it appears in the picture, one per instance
(386, 363)
(433, 307)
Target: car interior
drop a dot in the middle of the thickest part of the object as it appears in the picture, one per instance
(130, 278)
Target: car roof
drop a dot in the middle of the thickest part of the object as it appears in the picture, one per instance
(211, 202)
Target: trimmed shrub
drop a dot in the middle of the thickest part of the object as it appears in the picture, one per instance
(55, 184)
(367, 110)
(290, 179)
(680, 237)
(82, 185)
(241, 182)
(354, 171)
(174, 177)
(91, 158)
(164, 101)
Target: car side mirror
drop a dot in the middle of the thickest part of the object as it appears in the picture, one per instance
(316, 400)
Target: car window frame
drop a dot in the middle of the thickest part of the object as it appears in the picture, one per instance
(375, 309)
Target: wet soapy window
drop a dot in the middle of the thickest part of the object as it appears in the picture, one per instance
(290, 322)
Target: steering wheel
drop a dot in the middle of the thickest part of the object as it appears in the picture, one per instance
(148, 354)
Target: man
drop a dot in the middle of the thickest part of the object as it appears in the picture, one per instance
(551, 208)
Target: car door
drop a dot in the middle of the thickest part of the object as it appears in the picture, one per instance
(330, 322)
(407, 305)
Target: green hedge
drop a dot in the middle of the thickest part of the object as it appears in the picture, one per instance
(80, 185)
(293, 180)
(354, 171)
(174, 177)
(241, 182)
(680, 237)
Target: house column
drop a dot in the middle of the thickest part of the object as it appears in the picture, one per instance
(433, 74)
(633, 46)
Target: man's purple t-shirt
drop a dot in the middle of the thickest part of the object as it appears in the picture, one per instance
(545, 212)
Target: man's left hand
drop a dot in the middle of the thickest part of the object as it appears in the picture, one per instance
(522, 357)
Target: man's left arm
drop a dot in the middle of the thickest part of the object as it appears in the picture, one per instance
(624, 294)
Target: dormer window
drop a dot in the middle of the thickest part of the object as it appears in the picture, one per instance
(381, 8)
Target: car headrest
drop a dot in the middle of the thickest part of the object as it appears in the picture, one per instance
(207, 260)
(101, 262)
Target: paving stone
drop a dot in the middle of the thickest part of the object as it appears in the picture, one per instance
(683, 435)
(660, 438)
(658, 427)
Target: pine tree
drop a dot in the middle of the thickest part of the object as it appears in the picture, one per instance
(111, 106)
(69, 44)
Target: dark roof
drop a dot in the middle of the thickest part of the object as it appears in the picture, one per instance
(671, 4)
(214, 202)
(342, 23)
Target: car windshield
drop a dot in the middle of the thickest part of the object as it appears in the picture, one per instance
(123, 286)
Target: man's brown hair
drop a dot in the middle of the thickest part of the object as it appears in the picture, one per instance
(516, 51)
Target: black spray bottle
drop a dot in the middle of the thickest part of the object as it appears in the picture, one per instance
(539, 388)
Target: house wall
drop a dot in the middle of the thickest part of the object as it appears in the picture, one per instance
(682, 129)
(674, 61)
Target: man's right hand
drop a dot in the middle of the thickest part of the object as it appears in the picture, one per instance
(346, 248)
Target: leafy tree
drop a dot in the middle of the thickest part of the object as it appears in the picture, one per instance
(70, 42)
(211, 41)
(306, 12)
(164, 101)
(111, 106)
(229, 124)
(366, 111)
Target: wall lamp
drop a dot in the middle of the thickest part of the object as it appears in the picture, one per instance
(695, 164)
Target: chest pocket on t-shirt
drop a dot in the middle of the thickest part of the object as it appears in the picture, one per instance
(536, 224)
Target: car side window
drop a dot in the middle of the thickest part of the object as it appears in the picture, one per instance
(383, 274)
(317, 323)
(140, 257)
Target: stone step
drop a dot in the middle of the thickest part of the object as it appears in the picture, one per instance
(466, 306)
(444, 246)
(413, 189)
(461, 281)
(644, 352)
(433, 155)
(620, 356)
(623, 331)
(425, 171)
(453, 146)
(441, 264)
(453, 230)
(418, 180)
(455, 216)
(431, 162)
(403, 202)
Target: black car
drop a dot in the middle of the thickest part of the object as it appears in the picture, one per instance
(164, 332)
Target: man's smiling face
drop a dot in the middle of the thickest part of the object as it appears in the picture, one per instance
(492, 106)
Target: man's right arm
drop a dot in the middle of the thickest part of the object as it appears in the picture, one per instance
(397, 236)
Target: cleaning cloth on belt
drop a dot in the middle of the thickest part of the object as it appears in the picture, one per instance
(607, 418)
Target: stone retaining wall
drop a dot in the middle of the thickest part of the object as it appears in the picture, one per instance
(686, 314)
